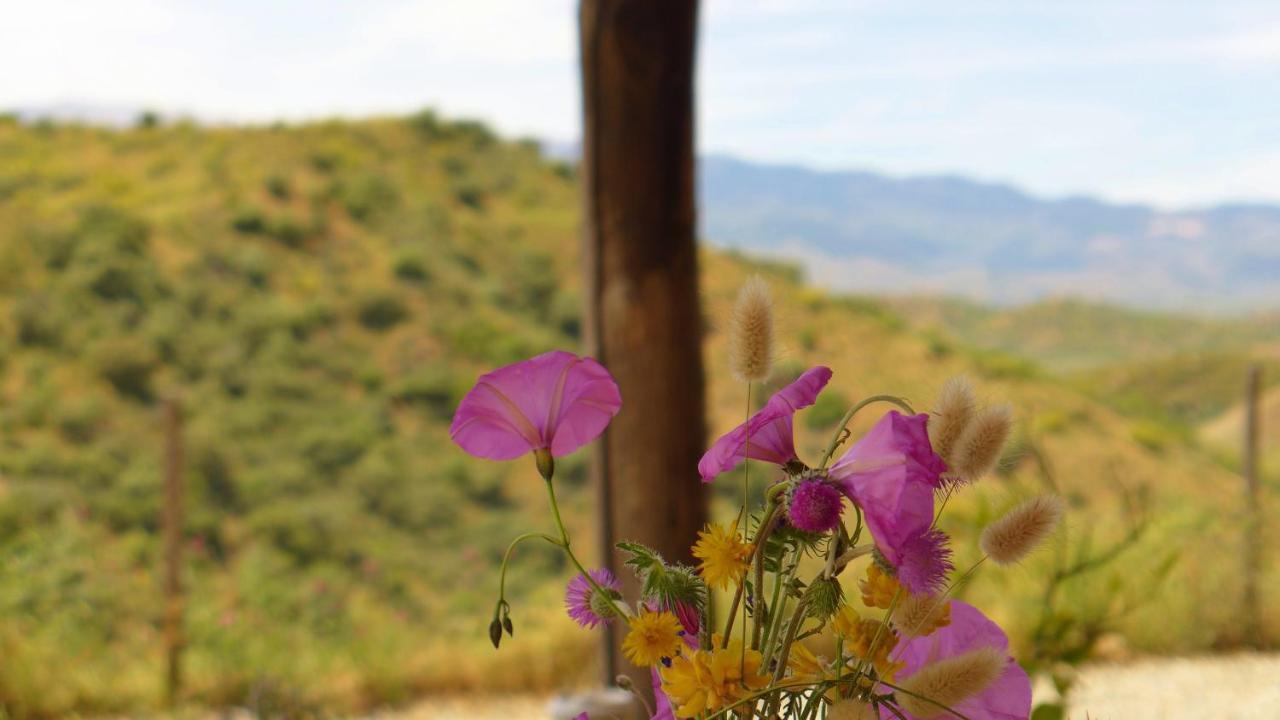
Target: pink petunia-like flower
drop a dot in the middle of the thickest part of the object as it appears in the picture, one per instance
(891, 473)
(580, 601)
(767, 435)
(555, 402)
(1008, 698)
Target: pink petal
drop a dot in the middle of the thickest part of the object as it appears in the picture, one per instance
(891, 473)
(767, 435)
(1009, 698)
(556, 400)
(662, 703)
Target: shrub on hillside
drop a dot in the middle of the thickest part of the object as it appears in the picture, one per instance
(381, 310)
(128, 364)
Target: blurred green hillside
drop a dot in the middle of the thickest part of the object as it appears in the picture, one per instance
(318, 297)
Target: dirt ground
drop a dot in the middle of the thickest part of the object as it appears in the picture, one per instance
(1234, 687)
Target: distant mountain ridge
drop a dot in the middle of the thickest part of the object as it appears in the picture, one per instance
(864, 232)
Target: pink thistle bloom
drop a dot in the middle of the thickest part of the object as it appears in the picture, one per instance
(769, 431)
(578, 600)
(1008, 698)
(891, 473)
(815, 506)
(556, 401)
(924, 560)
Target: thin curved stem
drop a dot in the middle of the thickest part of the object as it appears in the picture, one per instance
(835, 439)
(564, 543)
(506, 558)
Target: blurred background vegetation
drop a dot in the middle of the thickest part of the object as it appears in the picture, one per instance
(319, 296)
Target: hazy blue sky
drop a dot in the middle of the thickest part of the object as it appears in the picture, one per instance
(1168, 102)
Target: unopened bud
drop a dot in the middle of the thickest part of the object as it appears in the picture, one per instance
(506, 625)
(825, 596)
(495, 632)
(623, 682)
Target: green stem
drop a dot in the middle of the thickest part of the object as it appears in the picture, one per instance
(762, 535)
(506, 558)
(835, 439)
(564, 543)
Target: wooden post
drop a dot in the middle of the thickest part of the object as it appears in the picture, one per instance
(171, 522)
(639, 247)
(1253, 514)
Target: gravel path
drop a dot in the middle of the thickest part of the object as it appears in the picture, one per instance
(1232, 687)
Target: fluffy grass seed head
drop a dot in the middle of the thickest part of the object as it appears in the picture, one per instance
(950, 681)
(1013, 537)
(751, 332)
(724, 555)
(919, 615)
(652, 637)
(978, 447)
(850, 709)
(951, 415)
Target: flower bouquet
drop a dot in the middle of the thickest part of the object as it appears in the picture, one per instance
(787, 567)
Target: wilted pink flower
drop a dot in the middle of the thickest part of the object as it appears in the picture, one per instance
(581, 603)
(892, 473)
(1008, 698)
(815, 505)
(767, 435)
(556, 401)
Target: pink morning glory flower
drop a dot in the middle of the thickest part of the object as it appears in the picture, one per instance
(578, 598)
(1008, 698)
(891, 473)
(767, 435)
(555, 402)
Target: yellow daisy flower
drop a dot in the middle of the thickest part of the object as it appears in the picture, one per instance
(879, 587)
(858, 634)
(707, 680)
(653, 636)
(724, 554)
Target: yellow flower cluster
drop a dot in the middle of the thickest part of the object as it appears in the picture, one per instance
(860, 633)
(879, 587)
(653, 636)
(724, 554)
(707, 680)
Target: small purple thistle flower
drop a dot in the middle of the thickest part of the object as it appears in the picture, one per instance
(924, 561)
(578, 597)
(815, 506)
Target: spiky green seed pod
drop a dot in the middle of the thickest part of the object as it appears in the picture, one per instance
(823, 598)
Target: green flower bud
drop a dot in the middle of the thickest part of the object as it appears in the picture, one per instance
(824, 597)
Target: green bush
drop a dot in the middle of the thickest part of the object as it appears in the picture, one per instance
(248, 221)
(381, 310)
(278, 187)
(411, 266)
(128, 364)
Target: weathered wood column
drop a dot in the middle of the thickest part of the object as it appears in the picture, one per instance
(640, 251)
